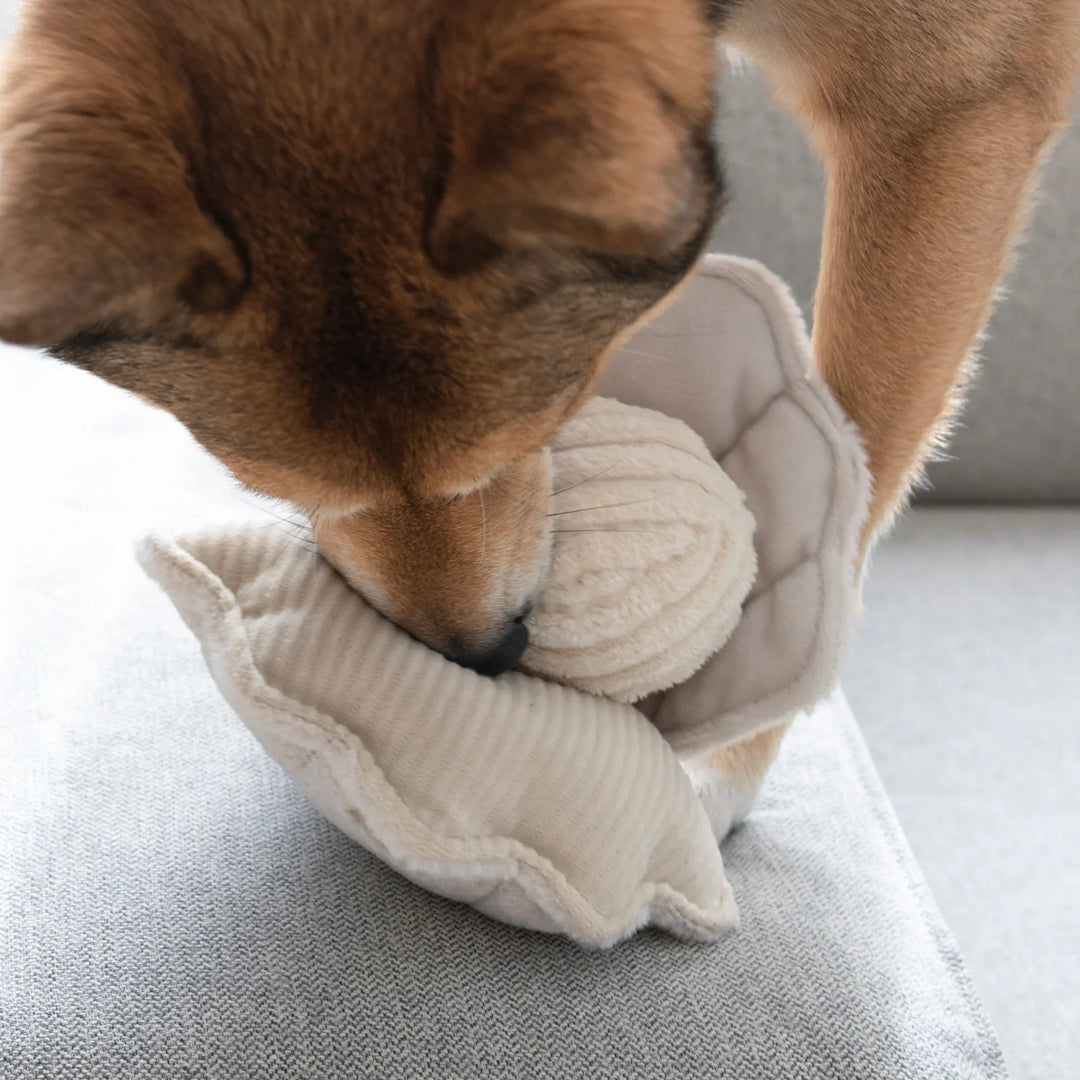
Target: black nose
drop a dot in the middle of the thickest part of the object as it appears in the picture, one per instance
(504, 655)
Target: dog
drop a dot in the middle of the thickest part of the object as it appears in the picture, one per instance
(372, 253)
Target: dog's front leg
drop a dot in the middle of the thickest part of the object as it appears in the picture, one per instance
(931, 118)
(728, 781)
(917, 236)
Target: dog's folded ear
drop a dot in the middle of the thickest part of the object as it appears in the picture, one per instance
(98, 220)
(584, 126)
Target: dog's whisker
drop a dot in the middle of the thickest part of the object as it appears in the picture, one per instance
(563, 532)
(641, 352)
(307, 545)
(270, 511)
(296, 528)
(595, 476)
(609, 506)
(292, 524)
(284, 523)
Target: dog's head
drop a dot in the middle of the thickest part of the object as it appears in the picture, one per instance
(370, 253)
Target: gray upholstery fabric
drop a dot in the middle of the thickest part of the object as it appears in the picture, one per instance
(964, 678)
(171, 907)
(1018, 440)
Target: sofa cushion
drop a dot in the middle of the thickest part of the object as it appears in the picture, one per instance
(171, 907)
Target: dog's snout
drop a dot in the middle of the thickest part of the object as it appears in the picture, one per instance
(458, 574)
(502, 656)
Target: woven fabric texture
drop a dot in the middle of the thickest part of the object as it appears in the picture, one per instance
(171, 908)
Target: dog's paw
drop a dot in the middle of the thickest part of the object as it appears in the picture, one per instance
(728, 781)
(726, 803)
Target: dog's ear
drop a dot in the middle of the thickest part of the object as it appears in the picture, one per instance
(587, 128)
(98, 221)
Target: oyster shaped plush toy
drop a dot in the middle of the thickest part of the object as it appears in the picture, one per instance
(709, 564)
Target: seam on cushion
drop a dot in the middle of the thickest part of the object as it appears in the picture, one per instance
(819, 549)
(885, 817)
(780, 395)
(814, 556)
(523, 858)
(803, 671)
(790, 388)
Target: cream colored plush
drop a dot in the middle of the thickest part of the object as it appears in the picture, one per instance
(540, 804)
(653, 555)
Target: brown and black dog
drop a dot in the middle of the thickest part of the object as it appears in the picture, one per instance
(372, 252)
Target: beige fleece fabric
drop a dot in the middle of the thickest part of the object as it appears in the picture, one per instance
(537, 803)
(731, 358)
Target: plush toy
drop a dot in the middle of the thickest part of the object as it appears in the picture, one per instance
(648, 581)
(541, 804)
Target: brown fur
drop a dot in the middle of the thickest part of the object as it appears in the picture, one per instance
(932, 118)
(454, 565)
(371, 253)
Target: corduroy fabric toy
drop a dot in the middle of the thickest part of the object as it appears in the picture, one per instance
(538, 803)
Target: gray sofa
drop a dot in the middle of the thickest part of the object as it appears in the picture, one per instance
(170, 907)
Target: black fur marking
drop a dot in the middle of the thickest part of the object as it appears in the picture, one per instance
(357, 372)
(82, 348)
(671, 269)
(718, 11)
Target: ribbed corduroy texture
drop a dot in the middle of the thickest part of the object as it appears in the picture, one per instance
(653, 555)
(536, 803)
